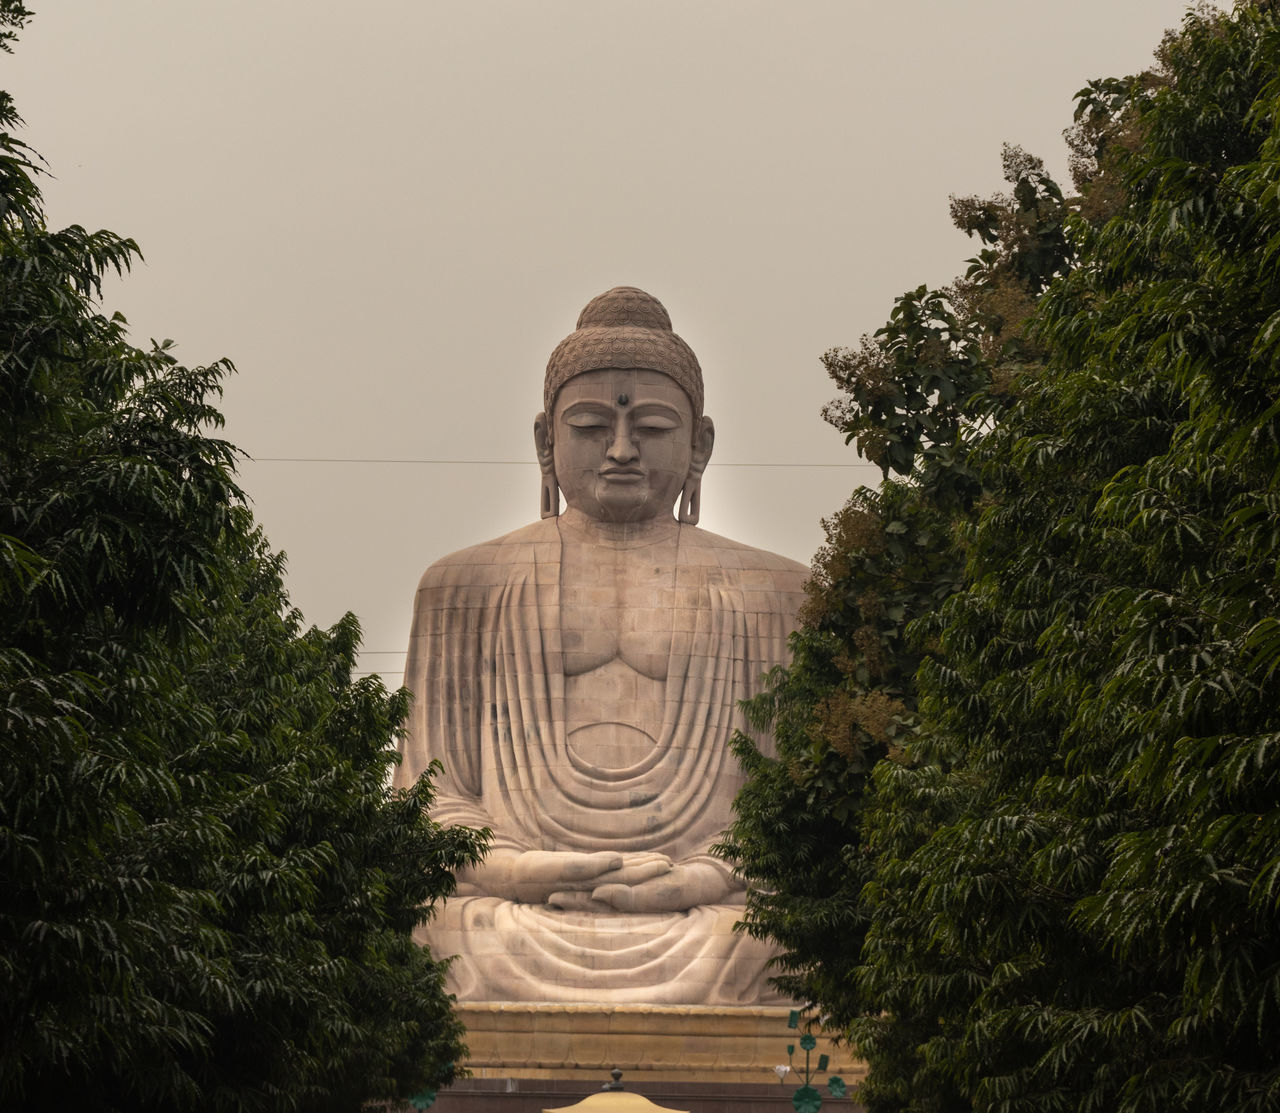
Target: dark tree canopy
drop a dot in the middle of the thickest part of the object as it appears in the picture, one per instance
(207, 890)
(1065, 875)
(916, 398)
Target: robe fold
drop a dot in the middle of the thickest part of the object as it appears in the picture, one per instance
(485, 668)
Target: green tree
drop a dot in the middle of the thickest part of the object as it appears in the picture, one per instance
(1088, 914)
(916, 398)
(207, 891)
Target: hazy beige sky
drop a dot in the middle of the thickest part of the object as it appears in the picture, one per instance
(388, 213)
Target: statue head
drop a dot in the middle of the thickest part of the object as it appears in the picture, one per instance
(623, 432)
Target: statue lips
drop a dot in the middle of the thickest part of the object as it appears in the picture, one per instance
(622, 475)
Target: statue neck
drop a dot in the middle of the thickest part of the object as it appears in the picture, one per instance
(580, 527)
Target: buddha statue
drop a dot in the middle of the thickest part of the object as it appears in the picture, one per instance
(579, 680)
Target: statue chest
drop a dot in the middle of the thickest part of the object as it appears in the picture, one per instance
(617, 605)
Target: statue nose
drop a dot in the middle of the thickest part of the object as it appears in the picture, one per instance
(622, 450)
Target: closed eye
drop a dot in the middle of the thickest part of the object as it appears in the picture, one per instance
(587, 421)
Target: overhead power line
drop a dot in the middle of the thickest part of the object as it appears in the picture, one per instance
(521, 463)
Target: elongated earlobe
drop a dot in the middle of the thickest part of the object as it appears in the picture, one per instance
(690, 500)
(550, 502)
(691, 496)
(549, 499)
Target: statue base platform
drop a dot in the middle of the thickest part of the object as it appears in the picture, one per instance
(648, 1043)
(516, 1095)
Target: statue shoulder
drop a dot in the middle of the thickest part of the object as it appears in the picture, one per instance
(490, 562)
(704, 547)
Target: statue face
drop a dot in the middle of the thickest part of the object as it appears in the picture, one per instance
(623, 442)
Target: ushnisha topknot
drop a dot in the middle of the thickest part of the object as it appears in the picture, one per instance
(627, 328)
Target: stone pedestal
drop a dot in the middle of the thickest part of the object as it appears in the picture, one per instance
(525, 1095)
(648, 1043)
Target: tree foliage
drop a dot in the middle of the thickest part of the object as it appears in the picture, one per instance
(1092, 920)
(208, 889)
(916, 398)
(1058, 886)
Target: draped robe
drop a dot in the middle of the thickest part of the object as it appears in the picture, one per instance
(485, 668)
